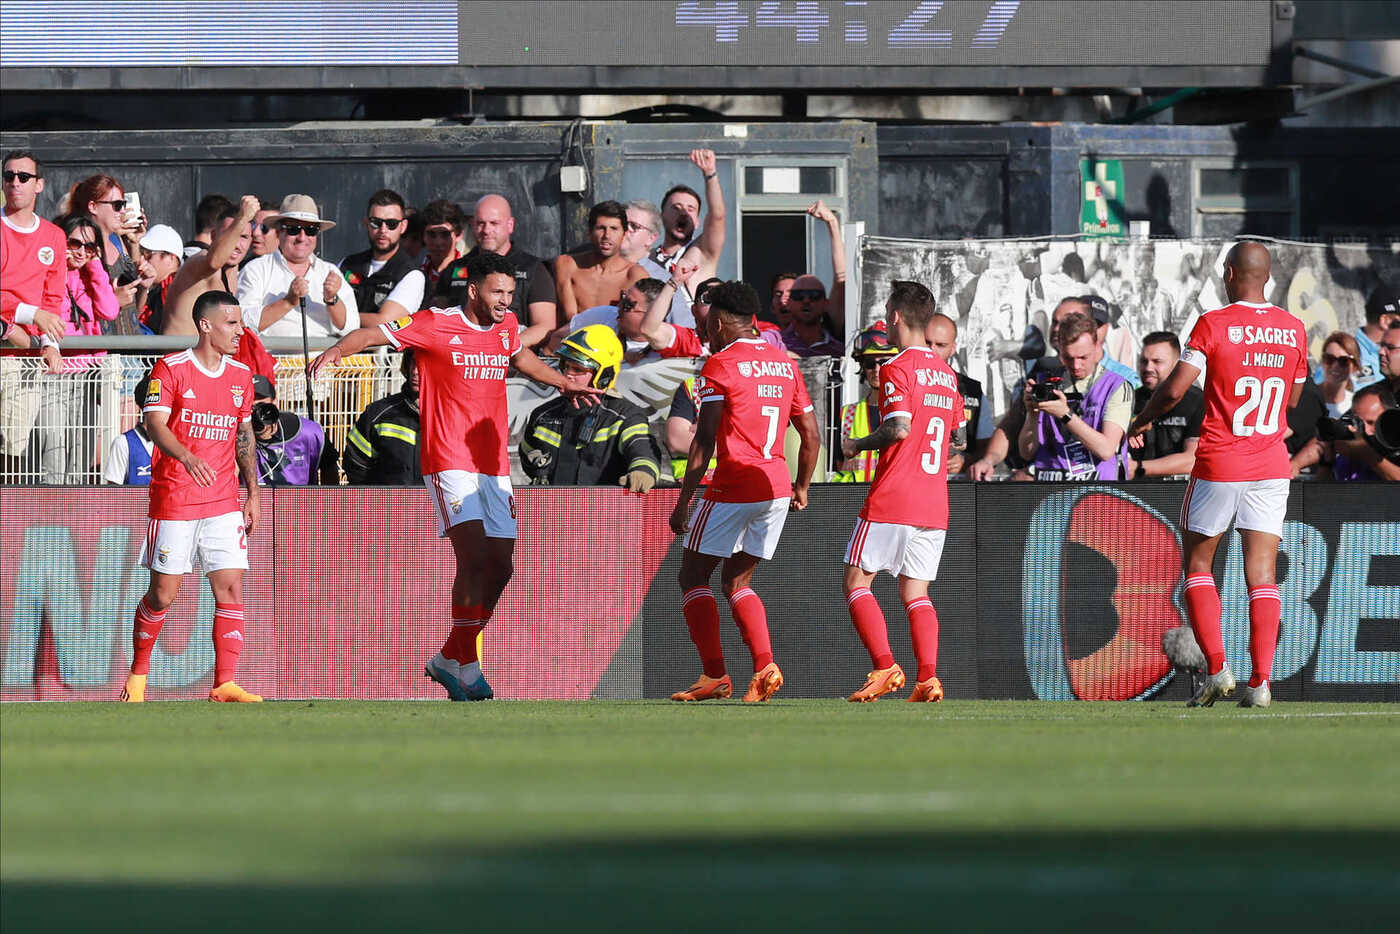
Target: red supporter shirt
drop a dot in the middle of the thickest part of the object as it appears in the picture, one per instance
(911, 478)
(685, 343)
(762, 391)
(205, 409)
(1253, 355)
(33, 269)
(462, 394)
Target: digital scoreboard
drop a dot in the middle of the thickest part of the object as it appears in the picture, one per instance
(578, 45)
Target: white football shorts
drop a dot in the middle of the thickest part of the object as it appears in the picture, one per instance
(899, 549)
(721, 529)
(1258, 505)
(218, 541)
(461, 496)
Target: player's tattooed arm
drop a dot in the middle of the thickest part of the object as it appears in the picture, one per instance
(246, 453)
(959, 440)
(891, 430)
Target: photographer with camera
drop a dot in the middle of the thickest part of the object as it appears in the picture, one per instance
(1366, 440)
(292, 449)
(1076, 424)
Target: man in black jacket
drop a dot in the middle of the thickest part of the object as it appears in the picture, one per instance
(382, 448)
(373, 273)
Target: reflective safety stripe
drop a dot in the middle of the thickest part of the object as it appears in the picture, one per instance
(550, 438)
(635, 431)
(406, 435)
(358, 440)
(644, 463)
(608, 433)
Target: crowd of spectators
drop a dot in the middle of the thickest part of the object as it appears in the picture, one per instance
(642, 275)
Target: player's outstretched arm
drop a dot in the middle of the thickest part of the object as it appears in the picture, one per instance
(895, 428)
(158, 427)
(246, 453)
(536, 369)
(352, 343)
(702, 448)
(1169, 392)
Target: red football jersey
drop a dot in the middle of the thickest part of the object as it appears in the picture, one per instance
(462, 388)
(33, 269)
(761, 390)
(205, 409)
(684, 343)
(1252, 355)
(911, 478)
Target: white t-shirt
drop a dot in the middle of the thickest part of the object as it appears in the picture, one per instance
(409, 291)
(119, 458)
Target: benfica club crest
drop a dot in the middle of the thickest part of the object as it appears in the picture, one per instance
(237, 396)
(505, 340)
(1236, 333)
(745, 368)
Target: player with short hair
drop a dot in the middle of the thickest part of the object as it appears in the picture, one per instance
(1255, 358)
(464, 354)
(748, 391)
(904, 521)
(198, 412)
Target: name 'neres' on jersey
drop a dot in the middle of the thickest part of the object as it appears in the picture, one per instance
(206, 407)
(911, 478)
(462, 394)
(762, 391)
(1253, 355)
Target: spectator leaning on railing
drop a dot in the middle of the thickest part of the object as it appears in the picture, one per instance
(271, 287)
(31, 251)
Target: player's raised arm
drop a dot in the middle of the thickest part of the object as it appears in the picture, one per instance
(349, 345)
(157, 424)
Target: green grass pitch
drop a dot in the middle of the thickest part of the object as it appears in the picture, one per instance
(650, 816)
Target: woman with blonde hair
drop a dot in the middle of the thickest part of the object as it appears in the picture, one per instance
(1341, 361)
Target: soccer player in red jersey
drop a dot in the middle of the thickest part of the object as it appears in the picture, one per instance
(463, 356)
(748, 392)
(1255, 358)
(198, 412)
(904, 521)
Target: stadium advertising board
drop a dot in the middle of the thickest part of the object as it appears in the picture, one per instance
(804, 44)
(1047, 591)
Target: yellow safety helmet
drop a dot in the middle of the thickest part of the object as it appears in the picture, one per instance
(596, 348)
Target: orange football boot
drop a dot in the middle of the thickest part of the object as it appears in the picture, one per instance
(877, 684)
(764, 684)
(230, 693)
(928, 692)
(706, 688)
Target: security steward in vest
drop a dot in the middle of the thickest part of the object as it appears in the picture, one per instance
(872, 347)
(373, 273)
(382, 447)
(1168, 448)
(581, 439)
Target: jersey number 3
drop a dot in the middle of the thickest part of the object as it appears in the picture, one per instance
(932, 461)
(1263, 400)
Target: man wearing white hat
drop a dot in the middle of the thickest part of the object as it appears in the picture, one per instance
(162, 250)
(272, 287)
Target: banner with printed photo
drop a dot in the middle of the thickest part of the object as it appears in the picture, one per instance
(1002, 292)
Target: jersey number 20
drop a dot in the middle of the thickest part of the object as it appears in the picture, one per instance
(1263, 400)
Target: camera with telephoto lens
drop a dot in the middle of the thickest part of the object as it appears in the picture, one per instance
(1384, 440)
(1044, 390)
(1347, 427)
(265, 415)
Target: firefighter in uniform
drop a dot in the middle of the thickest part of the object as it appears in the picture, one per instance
(581, 439)
(382, 448)
(872, 348)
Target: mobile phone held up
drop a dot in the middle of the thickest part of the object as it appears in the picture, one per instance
(133, 208)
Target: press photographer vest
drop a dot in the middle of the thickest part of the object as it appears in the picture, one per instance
(292, 460)
(1062, 456)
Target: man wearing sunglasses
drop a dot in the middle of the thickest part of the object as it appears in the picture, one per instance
(32, 268)
(373, 273)
(272, 287)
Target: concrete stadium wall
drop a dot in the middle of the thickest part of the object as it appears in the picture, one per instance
(1046, 591)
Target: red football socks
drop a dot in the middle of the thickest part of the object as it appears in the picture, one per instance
(702, 619)
(467, 623)
(1203, 610)
(143, 637)
(870, 626)
(1265, 608)
(752, 617)
(228, 640)
(923, 629)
